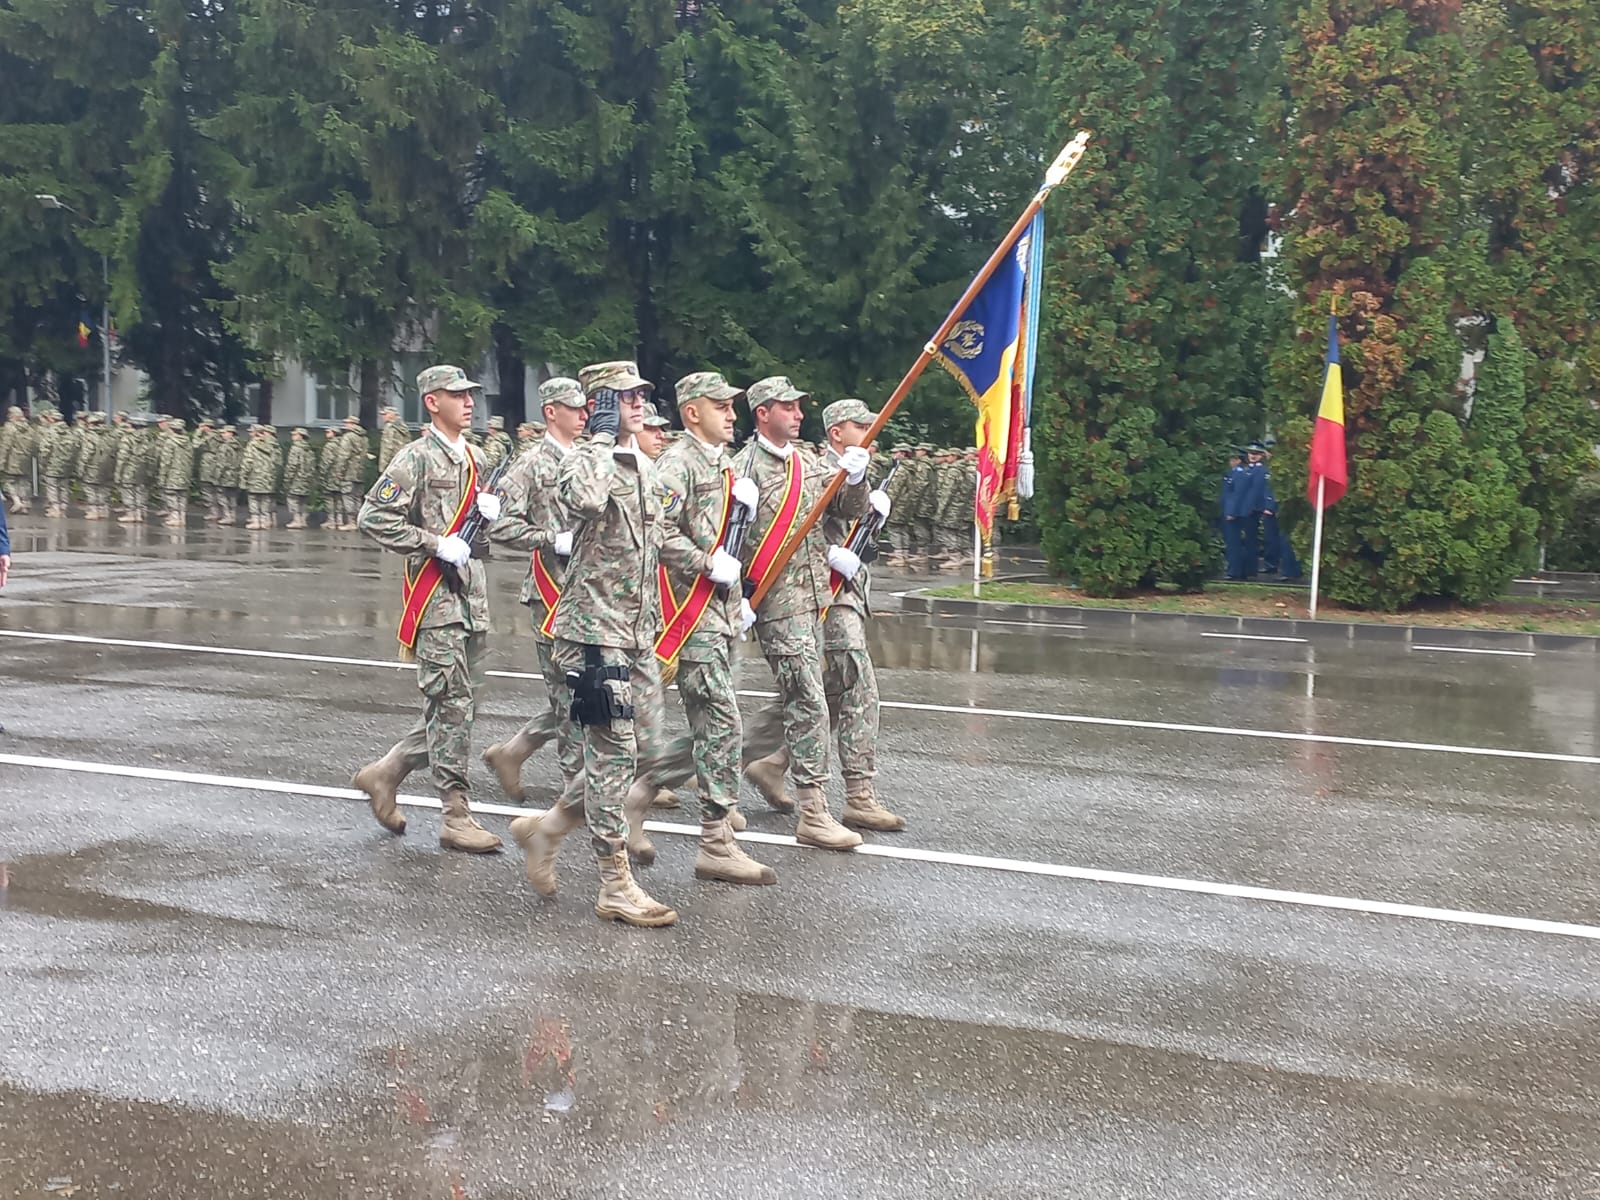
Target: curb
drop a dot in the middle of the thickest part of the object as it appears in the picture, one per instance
(1166, 624)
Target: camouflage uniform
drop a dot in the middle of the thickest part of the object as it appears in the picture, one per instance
(132, 478)
(532, 517)
(898, 529)
(395, 435)
(355, 452)
(16, 458)
(173, 470)
(408, 510)
(258, 476)
(330, 471)
(299, 478)
(97, 466)
(56, 448)
(953, 513)
(497, 445)
(789, 617)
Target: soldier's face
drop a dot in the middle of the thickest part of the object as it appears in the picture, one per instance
(846, 434)
(716, 419)
(452, 411)
(652, 440)
(565, 422)
(780, 421)
(631, 410)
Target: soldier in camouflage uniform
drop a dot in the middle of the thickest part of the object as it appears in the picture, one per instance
(258, 476)
(395, 434)
(79, 430)
(16, 459)
(97, 466)
(528, 435)
(698, 495)
(789, 616)
(953, 513)
(497, 445)
(56, 448)
(899, 528)
(330, 471)
(299, 478)
(610, 610)
(208, 471)
(535, 522)
(173, 471)
(230, 455)
(354, 453)
(409, 511)
(132, 474)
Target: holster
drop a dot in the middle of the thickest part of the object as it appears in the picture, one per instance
(593, 703)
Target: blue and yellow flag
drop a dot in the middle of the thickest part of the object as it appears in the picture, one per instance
(981, 352)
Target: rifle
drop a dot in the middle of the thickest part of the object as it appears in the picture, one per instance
(863, 542)
(472, 530)
(738, 526)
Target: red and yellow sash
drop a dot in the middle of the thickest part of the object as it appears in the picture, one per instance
(549, 592)
(679, 621)
(419, 590)
(782, 521)
(836, 580)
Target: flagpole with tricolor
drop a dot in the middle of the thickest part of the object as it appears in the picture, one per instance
(1057, 173)
(1330, 472)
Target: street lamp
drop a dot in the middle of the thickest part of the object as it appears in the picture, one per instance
(51, 201)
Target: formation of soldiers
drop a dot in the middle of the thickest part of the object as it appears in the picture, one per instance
(933, 492)
(649, 557)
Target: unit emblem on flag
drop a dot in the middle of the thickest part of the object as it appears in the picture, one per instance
(965, 340)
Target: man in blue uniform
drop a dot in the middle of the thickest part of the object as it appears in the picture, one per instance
(1233, 482)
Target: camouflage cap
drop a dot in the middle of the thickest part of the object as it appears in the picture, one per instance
(229, 429)
(444, 378)
(388, 410)
(525, 429)
(297, 431)
(329, 430)
(653, 418)
(850, 409)
(80, 415)
(619, 376)
(353, 422)
(774, 389)
(272, 429)
(498, 423)
(564, 391)
(708, 384)
(14, 411)
(97, 418)
(178, 424)
(203, 423)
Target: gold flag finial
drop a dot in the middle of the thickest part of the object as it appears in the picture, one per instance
(1067, 159)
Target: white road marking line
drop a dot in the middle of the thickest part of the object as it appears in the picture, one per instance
(1034, 624)
(1204, 887)
(1471, 650)
(1281, 735)
(1253, 637)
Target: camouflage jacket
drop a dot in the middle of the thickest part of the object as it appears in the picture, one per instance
(330, 464)
(803, 585)
(299, 470)
(957, 494)
(16, 447)
(690, 484)
(610, 597)
(228, 454)
(131, 444)
(395, 435)
(496, 446)
(57, 447)
(176, 463)
(354, 451)
(258, 466)
(97, 456)
(857, 593)
(533, 514)
(410, 508)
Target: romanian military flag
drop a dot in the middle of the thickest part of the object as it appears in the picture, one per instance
(1328, 463)
(84, 330)
(982, 352)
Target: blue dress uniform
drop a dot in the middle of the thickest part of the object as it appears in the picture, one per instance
(1254, 496)
(1233, 489)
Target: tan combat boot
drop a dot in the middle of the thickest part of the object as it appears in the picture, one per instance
(721, 857)
(505, 759)
(736, 820)
(634, 806)
(621, 899)
(665, 798)
(459, 831)
(862, 810)
(766, 775)
(816, 826)
(380, 780)
(540, 836)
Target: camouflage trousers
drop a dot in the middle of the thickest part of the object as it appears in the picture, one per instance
(350, 504)
(852, 689)
(449, 674)
(793, 649)
(716, 731)
(263, 507)
(56, 490)
(952, 541)
(611, 752)
(175, 501)
(16, 489)
(554, 720)
(97, 495)
(212, 495)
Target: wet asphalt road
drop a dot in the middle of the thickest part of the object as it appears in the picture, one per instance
(220, 991)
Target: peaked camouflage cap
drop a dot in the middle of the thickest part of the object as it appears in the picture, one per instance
(849, 409)
(444, 378)
(774, 389)
(563, 391)
(709, 384)
(178, 424)
(653, 418)
(497, 423)
(619, 376)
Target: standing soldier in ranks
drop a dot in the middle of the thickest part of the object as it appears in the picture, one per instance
(230, 453)
(16, 455)
(528, 435)
(497, 445)
(131, 475)
(55, 451)
(698, 497)
(418, 508)
(299, 478)
(913, 506)
(395, 434)
(79, 430)
(899, 528)
(173, 470)
(789, 617)
(98, 466)
(952, 528)
(330, 471)
(207, 471)
(354, 453)
(258, 476)
(535, 523)
(123, 435)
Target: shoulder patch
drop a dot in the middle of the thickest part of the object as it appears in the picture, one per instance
(388, 491)
(671, 501)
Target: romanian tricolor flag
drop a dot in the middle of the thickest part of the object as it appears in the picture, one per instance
(1329, 471)
(981, 351)
(84, 330)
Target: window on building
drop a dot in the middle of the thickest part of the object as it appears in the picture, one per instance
(333, 399)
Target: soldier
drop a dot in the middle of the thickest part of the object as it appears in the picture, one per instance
(173, 470)
(899, 529)
(207, 471)
(395, 434)
(528, 435)
(535, 522)
(497, 445)
(230, 453)
(653, 437)
(605, 628)
(299, 478)
(354, 453)
(330, 472)
(418, 508)
(789, 617)
(16, 457)
(258, 476)
(131, 476)
(955, 496)
(698, 496)
(97, 466)
(56, 447)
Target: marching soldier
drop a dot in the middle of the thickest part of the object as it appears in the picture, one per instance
(355, 450)
(789, 617)
(534, 521)
(299, 478)
(55, 451)
(258, 476)
(418, 508)
(16, 457)
(173, 470)
(395, 434)
(497, 445)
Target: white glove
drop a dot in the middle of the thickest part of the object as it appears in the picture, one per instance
(489, 506)
(453, 550)
(746, 493)
(563, 543)
(879, 499)
(844, 561)
(723, 568)
(747, 618)
(854, 463)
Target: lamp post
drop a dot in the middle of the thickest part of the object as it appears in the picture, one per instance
(54, 202)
